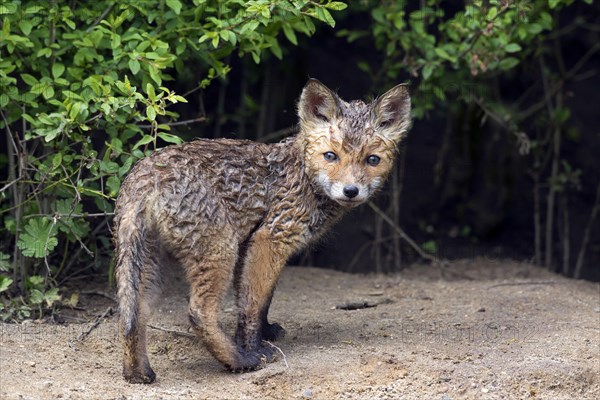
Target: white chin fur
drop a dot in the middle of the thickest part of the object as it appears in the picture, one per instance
(335, 191)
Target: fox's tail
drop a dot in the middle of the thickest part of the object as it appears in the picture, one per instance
(130, 254)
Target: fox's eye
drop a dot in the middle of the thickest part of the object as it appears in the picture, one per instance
(384, 124)
(373, 160)
(330, 156)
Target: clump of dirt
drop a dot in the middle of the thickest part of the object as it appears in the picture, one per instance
(487, 330)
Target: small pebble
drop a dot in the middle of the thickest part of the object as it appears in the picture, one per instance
(308, 393)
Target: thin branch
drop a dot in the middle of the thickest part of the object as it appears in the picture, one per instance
(96, 323)
(277, 134)
(100, 18)
(8, 185)
(403, 234)
(98, 293)
(174, 332)
(84, 215)
(556, 87)
(178, 123)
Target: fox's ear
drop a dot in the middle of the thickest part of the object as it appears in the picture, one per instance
(317, 103)
(392, 113)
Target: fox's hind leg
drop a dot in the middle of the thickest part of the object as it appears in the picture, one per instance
(138, 281)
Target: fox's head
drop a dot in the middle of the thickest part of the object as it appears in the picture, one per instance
(350, 147)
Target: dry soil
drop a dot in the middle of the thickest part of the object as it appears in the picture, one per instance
(487, 330)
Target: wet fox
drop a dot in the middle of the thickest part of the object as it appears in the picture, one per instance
(234, 211)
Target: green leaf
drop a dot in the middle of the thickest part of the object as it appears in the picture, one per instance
(57, 70)
(180, 99)
(144, 140)
(151, 112)
(57, 160)
(150, 92)
(38, 238)
(51, 296)
(554, 3)
(45, 52)
(126, 166)
(36, 296)
(428, 70)
(174, 5)
(534, 28)
(26, 26)
(492, 13)
(430, 246)
(113, 184)
(336, 5)
(48, 92)
(29, 79)
(512, 48)
(508, 63)
(323, 15)
(5, 283)
(4, 262)
(134, 66)
(442, 53)
(290, 35)
(167, 137)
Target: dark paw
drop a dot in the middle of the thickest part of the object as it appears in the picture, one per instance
(273, 332)
(252, 360)
(148, 376)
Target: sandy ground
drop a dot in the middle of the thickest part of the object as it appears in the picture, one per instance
(512, 331)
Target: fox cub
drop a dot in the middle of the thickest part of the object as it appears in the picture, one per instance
(234, 211)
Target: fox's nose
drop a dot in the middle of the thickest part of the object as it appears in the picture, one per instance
(350, 191)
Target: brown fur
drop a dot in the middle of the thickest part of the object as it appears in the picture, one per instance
(235, 211)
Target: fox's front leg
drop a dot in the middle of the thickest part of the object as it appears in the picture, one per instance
(264, 261)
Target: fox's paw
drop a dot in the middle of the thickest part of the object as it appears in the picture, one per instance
(273, 332)
(252, 360)
(146, 376)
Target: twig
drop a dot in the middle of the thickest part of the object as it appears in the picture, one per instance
(556, 87)
(177, 123)
(98, 293)
(277, 134)
(71, 215)
(522, 284)
(403, 234)
(174, 332)
(440, 263)
(74, 257)
(96, 323)
(9, 184)
(100, 18)
(280, 351)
